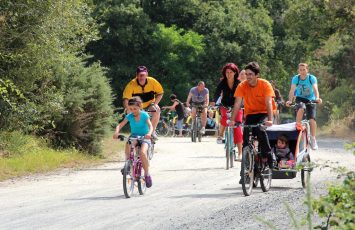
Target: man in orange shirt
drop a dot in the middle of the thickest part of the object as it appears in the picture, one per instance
(258, 106)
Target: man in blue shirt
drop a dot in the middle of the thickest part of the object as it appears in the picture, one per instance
(305, 88)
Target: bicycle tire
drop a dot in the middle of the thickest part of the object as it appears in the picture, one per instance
(231, 151)
(162, 128)
(247, 171)
(199, 134)
(193, 131)
(227, 148)
(306, 172)
(265, 179)
(151, 151)
(128, 180)
(142, 187)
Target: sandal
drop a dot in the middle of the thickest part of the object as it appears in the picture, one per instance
(219, 140)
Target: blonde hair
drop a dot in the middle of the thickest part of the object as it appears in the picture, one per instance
(303, 64)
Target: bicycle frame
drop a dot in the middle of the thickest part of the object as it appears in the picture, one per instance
(229, 142)
(134, 156)
(196, 123)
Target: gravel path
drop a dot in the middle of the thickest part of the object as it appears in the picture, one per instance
(191, 190)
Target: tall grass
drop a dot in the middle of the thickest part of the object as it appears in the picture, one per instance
(21, 155)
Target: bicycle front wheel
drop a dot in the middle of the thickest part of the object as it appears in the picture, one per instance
(247, 171)
(193, 131)
(128, 180)
(265, 179)
(142, 187)
(306, 172)
(227, 147)
(199, 126)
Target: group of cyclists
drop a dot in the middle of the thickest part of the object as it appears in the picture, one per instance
(249, 98)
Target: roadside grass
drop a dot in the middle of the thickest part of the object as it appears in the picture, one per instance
(22, 155)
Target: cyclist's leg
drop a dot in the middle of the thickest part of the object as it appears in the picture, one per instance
(179, 126)
(155, 115)
(143, 154)
(311, 116)
(238, 133)
(223, 123)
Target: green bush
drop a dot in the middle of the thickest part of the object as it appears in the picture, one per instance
(338, 206)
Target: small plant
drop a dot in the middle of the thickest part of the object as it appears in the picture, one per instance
(338, 206)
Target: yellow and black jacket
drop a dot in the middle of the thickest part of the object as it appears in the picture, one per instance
(146, 92)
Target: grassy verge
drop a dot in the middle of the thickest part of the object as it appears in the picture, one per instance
(24, 155)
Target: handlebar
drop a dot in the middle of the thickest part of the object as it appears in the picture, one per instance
(294, 104)
(123, 137)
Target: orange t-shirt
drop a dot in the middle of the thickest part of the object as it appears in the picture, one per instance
(254, 97)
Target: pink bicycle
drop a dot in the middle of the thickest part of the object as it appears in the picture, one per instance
(132, 171)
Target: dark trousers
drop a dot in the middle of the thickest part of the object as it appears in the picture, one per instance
(254, 119)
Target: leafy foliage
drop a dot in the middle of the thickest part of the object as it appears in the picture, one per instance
(338, 206)
(40, 43)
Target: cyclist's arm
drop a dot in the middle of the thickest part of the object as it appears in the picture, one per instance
(149, 123)
(207, 99)
(172, 107)
(316, 93)
(236, 107)
(119, 127)
(158, 98)
(291, 94)
(268, 102)
(188, 99)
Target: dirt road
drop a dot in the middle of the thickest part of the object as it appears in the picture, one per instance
(191, 190)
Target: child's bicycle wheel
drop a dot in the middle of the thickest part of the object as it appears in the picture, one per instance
(142, 187)
(128, 180)
(247, 171)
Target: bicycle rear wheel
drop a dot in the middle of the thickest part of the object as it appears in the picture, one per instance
(265, 179)
(162, 128)
(128, 180)
(247, 171)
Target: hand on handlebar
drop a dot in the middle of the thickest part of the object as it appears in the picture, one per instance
(288, 103)
(231, 123)
(268, 123)
(318, 100)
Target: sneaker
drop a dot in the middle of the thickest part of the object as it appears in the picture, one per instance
(314, 144)
(299, 126)
(203, 130)
(148, 181)
(219, 140)
(239, 158)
